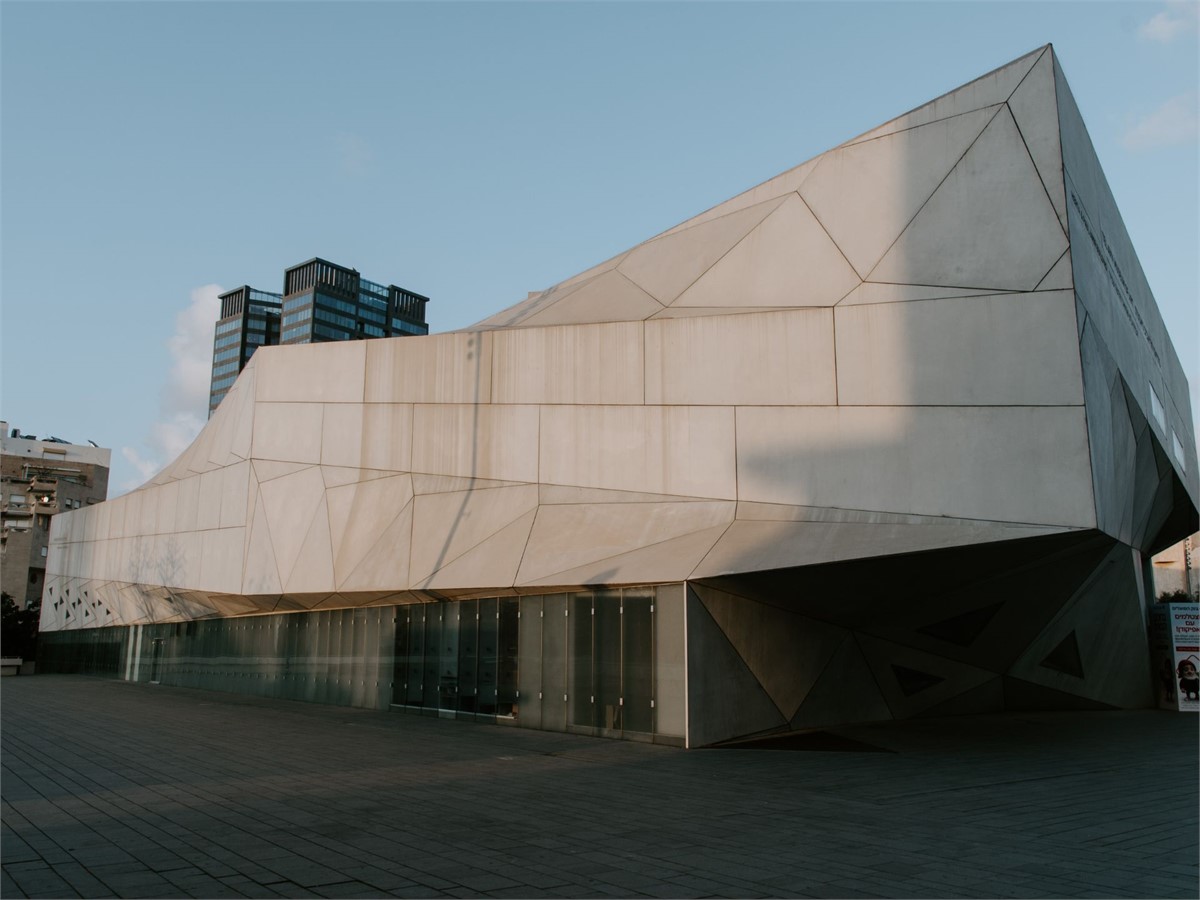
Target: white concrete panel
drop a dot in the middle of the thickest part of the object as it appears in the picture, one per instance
(100, 516)
(787, 261)
(866, 193)
(1059, 277)
(445, 526)
(870, 292)
(1011, 350)
(609, 298)
(222, 424)
(443, 484)
(882, 655)
(442, 368)
(554, 494)
(290, 504)
(387, 436)
(166, 501)
(1012, 464)
(683, 312)
(187, 506)
(235, 490)
(212, 493)
(655, 449)
(754, 546)
(311, 373)
(569, 364)
(341, 434)
(990, 224)
(147, 510)
(539, 300)
(221, 560)
(385, 563)
(288, 432)
(787, 183)
(269, 469)
(987, 90)
(665, 266)
(568, 537)
(181, 559)
(1035, 110)
(359, 513)
(313, 570)
(784, 357)
(197, 456)
(118, 510)
(476, 441)
(491, 563)
(669, 560)
(515, 315)
(261, 575)
(784, 651)
(243, 413)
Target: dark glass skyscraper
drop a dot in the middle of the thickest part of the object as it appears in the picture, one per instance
(321, 301)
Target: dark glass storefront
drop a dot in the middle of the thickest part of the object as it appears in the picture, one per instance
(582, 662)
(604, 662)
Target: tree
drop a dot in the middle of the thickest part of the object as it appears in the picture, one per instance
(19, 628)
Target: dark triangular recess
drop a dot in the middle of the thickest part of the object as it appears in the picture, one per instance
(1065, 657)
(963, 629)
(913, 682)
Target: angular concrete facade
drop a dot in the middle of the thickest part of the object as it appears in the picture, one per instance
(904, 423)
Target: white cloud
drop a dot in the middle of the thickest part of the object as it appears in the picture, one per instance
(183, 408)
(1180, 17)
(1175, 122)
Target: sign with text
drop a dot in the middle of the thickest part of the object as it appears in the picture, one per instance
(1175, 646)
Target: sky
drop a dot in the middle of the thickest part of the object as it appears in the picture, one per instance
(154, 154)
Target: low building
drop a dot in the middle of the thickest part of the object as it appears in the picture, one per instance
(1177, 570)
(892, 434)
(39, 479)
(321, 302)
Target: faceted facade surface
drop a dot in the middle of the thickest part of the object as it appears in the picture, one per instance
(905, 419)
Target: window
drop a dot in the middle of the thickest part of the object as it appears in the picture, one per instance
(1156, 408)
(1177, 449)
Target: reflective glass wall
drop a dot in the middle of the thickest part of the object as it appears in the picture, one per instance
(605, 662)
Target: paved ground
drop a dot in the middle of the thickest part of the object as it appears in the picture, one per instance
(133, 790)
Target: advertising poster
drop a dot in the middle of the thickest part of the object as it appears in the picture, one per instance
(1175, 644)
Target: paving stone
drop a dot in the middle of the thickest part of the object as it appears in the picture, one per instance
(105, 779)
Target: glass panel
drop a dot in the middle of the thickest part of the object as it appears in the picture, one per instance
(606, 656)
(416, 655)
(431, 678)
(468, 651)
(489, 627)
(448, 658)
(669, 684)
(637, 659)
(554, 663)
(529, 663)
(508, 627)
(581, 694)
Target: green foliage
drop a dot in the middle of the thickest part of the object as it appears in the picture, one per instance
(19, 628)
(1176, 597)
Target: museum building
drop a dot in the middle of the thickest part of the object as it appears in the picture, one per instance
(892, 434)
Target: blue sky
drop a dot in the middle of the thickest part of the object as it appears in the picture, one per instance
(152, 154)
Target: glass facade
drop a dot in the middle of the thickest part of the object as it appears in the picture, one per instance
(249, 319)
(321, 301)
(605, 662)
(582, 662)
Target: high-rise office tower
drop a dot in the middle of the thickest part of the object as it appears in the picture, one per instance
(321, 301)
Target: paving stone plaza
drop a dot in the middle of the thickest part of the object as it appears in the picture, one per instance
(113, 788)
